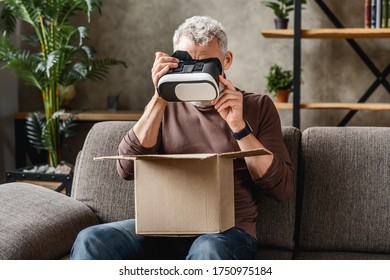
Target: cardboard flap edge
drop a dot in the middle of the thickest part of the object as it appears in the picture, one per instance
(239, 154)
(249, 153)
(115, 157)
(157, 157)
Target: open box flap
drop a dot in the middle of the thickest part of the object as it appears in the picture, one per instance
(158, 157)
(249, 153)
(240, 154)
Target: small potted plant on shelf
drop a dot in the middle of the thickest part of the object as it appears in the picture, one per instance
(282, 9)
(57, 57)
(279, 82)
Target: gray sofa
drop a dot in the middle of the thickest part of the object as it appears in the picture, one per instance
(341, 209)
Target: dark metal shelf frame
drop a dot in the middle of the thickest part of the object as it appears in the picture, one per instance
(380, 76)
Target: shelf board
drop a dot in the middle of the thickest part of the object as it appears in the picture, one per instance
(329, 33)
(109, 116)
(339, 106)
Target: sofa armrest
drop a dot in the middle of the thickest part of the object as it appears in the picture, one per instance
(38, 223)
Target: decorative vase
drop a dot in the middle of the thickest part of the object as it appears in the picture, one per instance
(282, 95)
(281, 23)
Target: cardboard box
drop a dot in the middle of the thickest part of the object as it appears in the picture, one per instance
(184, 194)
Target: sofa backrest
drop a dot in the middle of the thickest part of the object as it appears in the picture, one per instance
(276, 221)
(346, 189)
(96, 183)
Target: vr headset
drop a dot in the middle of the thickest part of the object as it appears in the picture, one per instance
(192, 80)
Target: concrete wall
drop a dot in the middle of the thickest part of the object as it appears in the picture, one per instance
(133, 30)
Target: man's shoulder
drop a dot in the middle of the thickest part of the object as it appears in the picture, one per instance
(259, 107)
(256, 99)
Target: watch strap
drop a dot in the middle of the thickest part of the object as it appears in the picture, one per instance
(243, 132)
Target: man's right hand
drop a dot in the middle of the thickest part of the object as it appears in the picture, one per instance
(147, 127)
(162, 63)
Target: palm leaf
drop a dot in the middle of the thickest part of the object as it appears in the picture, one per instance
(25, 10)
(79, 71)
(51, 62)
(67, 35)
(46, 136)
(22, 62)
(99, 67)
(83, 33)
(34, 126)
(7, 19)
(67, 124)
(90, 6)
(30, 39)
(88, 52)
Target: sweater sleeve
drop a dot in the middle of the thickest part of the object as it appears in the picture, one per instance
(130, 145)
(279, 180)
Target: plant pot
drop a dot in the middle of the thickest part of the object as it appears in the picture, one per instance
(281, 23)
(282, 95)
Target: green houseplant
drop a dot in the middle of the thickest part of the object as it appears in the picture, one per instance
(282, 9)
(57, 56)
(279, 82)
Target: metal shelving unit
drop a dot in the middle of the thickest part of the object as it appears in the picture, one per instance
(340, 32)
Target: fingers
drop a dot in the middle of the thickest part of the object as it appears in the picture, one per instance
(227, 99)
(162, 59)
(162, 63)
(228, 94)
(156, 76)
(226, 83)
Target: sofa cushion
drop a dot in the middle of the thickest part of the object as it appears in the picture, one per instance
(346, 190)
(276, 221)
(97, 183)
(38, 223)
(327, 255)
(273, 254)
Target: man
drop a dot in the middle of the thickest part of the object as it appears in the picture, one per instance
(234, 121)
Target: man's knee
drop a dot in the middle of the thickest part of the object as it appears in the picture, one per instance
(86, 241)
(209, 247)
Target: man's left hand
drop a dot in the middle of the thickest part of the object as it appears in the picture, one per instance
(229, 105)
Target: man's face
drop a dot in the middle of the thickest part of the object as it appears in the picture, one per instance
(201, 52)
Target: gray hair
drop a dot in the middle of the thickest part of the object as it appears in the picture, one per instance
(201, 30)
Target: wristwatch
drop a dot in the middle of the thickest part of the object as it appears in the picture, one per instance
(243, 132)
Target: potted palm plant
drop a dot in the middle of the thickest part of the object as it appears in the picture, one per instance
(279, 82)
(282, 9)
(57, 57)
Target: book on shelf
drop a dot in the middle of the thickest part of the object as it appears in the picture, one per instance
(378, 17)
(377, 13)
(367, 13)
(373, 13)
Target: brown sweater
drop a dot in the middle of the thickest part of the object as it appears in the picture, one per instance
(188, 129)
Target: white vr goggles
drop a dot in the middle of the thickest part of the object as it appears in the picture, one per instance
(192, 80)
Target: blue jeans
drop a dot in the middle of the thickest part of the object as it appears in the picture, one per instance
(118, 241)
